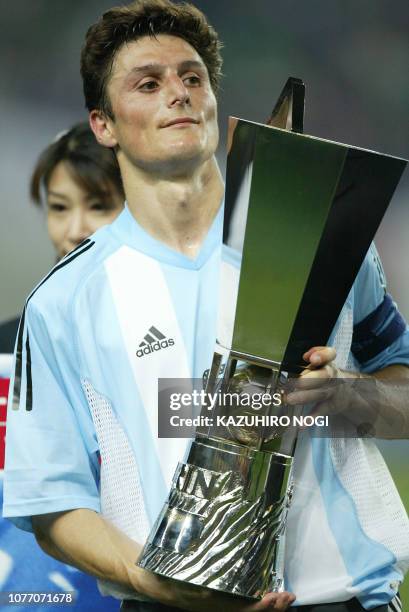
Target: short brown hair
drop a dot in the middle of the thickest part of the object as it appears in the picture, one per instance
(93, 166)
(123, 24)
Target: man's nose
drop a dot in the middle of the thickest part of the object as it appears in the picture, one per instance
(178, 92)
(78, 227)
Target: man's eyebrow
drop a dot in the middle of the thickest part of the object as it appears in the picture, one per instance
(157, 68)
(146, 68)
(191, 65)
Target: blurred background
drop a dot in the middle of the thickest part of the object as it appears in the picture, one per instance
(353, 57)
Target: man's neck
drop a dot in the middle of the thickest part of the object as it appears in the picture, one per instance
(176, 211)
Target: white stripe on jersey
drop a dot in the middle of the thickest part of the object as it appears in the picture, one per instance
(229, 280)
(310, 543)
(380, 510)
(315, 570)
(395, 605)
(138, 286)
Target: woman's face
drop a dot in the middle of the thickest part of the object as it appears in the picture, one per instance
(73, 213)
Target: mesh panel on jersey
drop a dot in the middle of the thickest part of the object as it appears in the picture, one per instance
(343, 339)
(364, 474)
(121, 493)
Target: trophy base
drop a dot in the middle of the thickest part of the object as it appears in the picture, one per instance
(223, 527)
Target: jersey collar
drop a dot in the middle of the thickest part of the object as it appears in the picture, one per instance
(127, 230)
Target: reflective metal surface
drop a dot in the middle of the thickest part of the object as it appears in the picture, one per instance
(224, 521)
(238, 516)
(310, 208)
(288, 113)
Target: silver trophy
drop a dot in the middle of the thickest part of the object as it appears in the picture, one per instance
(302, 212)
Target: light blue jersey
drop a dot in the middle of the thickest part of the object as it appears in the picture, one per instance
(124, 310)
(110, 319)
(348, 532)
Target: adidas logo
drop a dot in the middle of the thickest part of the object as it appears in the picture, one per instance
(152, 342)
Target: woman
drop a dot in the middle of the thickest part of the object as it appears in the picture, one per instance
(79, 184)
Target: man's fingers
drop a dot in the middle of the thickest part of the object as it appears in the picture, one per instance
(297, 398)
(310, 378)
(318, 356)
(313, 379)
(312, 350)
(283, 601)
(275, 601)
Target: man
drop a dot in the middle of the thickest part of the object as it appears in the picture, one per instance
(82, 393)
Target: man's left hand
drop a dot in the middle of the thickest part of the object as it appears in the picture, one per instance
(374, 405)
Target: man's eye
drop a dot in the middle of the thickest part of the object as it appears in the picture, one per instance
(148, 86)
(192, 80)
(55, 207)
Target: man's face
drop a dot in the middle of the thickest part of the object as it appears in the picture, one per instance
(165, 111)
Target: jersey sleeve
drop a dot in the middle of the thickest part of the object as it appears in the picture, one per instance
(51, 450)
(381, 335)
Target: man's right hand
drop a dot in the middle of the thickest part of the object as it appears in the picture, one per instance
(197, 599)
(86, 540)
(273, 601)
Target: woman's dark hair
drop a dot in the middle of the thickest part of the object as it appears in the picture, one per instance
(93, 167)
(123, 24)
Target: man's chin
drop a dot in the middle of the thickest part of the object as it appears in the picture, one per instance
(185, 151)
(182, 161)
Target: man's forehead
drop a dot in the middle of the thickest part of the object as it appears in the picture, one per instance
(163, 50)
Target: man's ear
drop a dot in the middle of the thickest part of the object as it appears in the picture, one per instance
(103, 129)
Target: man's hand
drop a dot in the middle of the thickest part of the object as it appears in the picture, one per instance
(328, 391)
(312, 385)
(362, 404)
(273, 601)
(84, 539)
(197, 599)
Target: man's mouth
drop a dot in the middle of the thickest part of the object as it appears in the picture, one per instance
(180, 121)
